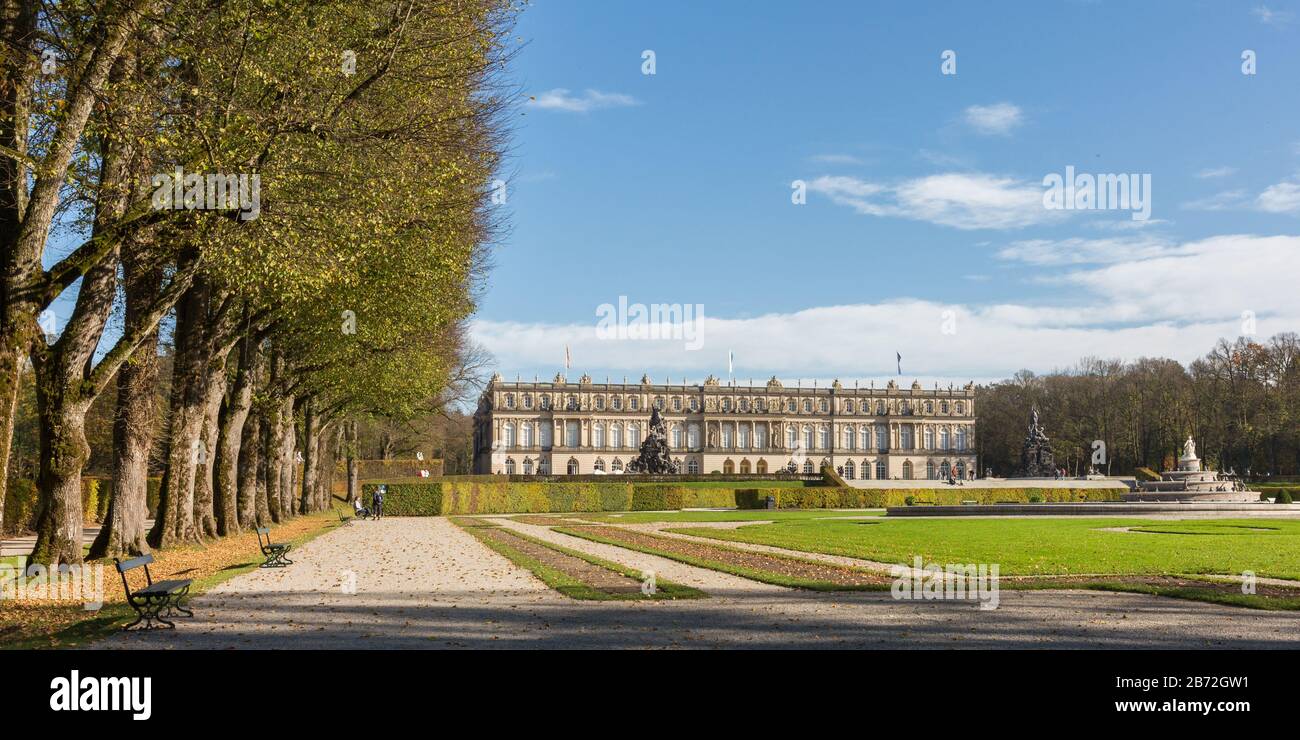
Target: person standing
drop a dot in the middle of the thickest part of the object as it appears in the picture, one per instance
(377, 501)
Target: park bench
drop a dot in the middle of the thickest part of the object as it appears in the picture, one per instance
(156, 601)
(274, 552)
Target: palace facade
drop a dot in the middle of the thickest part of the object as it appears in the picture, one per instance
(560, 428)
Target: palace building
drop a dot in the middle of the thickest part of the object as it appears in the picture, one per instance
(560, 428)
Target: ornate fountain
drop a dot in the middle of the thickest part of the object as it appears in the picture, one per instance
(1189, 482)
(654, 458)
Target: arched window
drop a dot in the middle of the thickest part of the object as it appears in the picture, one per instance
(677, 437)
(943, 438)
(693, 436)
(961, 468)
(510, 466)
(572, 467)
(944, 470)
(546, 434)
(508, 434)
(598, 465)
(961, 438)
(633, 435)
(762, 467)
(528, 466)
(905, 436)
(615, 435)
(727, 438)
(881, 472)
(848, 437)
(866, 470)
(807, 406)
(929, 438)
(525, 434)
(929, 469)
(824, 437)
(571, 433)
(789, 405)
(760, 437)
(598, 436)
(807, 438)
(510, 400)
(864, 437)
(693, 466)
(791, 437)
(616, 466)
(907, 470)
(848, 470)
(882, 438)
(744, 466)
(728, 467)
(807, 467)
(742, 436)
(544, 466)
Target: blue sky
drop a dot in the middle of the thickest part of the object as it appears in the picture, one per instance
(924, 189)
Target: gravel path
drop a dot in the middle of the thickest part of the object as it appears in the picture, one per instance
(425, 583)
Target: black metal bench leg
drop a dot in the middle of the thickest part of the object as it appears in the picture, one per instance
(175, 607)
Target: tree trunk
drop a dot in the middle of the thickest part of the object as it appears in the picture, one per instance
(205, 513)
(287, 463)
(310, 456)
(252, 510)
(174, 523)
(354, 487)
(64, 452)
(123, 533)
(236, 513)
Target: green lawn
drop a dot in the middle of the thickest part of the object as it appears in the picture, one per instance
(735, 515)
(1270, 548)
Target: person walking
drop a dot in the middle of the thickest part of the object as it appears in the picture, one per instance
(377, 502)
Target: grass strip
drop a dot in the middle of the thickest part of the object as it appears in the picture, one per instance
(756, 574)
(573, 587)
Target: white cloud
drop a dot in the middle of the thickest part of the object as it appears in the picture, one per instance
(997, 119)
(1222, 201)
(960, 200)
(1272, 17)
(1216, 172)
(563, 100)
(1283, 197)
(835, 159)
(1077, 251)
(1174, 302)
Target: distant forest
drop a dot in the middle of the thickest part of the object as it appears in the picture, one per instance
(1241, 403)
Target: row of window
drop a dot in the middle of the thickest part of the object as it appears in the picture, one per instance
(740, 437)
(848, 470)
(616, 403)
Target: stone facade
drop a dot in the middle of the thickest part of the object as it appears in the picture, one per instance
(560, 428)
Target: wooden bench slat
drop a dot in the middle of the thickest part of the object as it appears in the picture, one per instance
(134, 563)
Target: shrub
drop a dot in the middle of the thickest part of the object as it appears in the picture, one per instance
(1283, 497)
(1035, 498)
(20, 506)
(910, 501)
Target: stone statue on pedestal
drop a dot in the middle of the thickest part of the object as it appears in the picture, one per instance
(654, 457)
(1036, 458)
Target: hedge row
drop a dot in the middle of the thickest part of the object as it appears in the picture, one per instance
(21, 501)
(433, 498)
(871, 498)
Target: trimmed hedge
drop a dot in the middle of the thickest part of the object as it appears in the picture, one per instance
(873, 498)
(443, 497)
